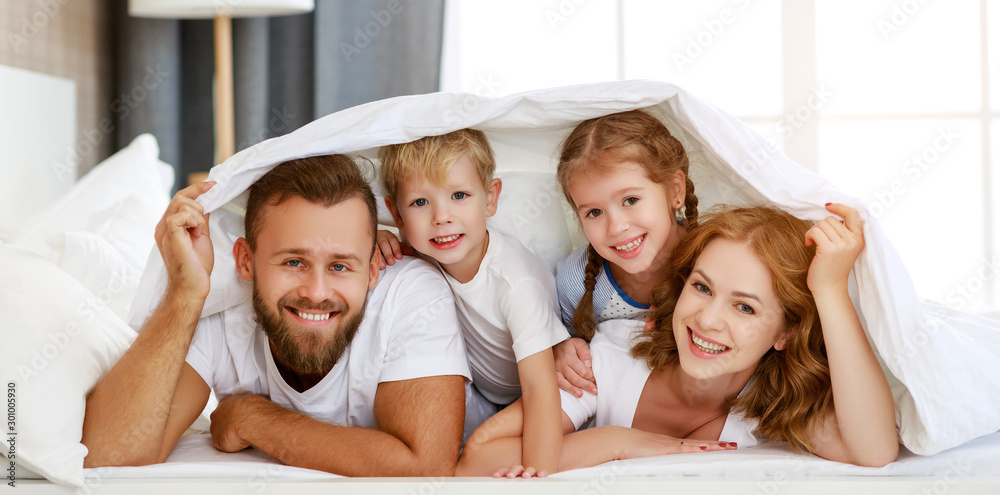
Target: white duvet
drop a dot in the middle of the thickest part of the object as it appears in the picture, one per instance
(943, 365)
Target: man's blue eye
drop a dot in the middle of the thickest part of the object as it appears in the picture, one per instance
(594, 213)
(459, 195)
(419, 202)
(338, 268)
(293, 263)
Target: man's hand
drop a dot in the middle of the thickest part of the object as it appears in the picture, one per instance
(573, 362)
(183, 239)
(227, 420)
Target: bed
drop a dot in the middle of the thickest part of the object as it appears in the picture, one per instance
(82, 273)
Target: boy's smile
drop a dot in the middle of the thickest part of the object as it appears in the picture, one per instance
(448, 241)
(448, 221)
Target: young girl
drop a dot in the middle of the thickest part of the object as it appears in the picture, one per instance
(754, 337)
(627, 179)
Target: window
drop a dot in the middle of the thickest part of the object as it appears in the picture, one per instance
(895, 101)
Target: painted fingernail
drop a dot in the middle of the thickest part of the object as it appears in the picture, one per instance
(732, 444)
(828, 204)
(703, 447)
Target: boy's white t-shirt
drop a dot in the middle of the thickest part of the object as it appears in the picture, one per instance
(508, 312)
(610, 301)
(620, 380)
(410, 330)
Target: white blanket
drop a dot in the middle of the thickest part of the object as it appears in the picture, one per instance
(942, 364)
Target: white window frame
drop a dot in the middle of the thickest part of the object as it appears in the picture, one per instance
(800, 79)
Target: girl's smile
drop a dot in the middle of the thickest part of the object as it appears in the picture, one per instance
(630, 248)
(628, 218)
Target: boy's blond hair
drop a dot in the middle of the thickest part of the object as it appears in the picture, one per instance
(433, 156)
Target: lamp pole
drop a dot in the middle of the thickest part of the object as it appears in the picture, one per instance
(225, 120)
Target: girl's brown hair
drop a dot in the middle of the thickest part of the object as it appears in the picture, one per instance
(791, 386)
(602, 143)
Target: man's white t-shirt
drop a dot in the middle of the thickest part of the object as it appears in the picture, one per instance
(620, 380)
(410, 330)
(508, 312)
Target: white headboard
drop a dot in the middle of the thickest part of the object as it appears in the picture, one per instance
(38, 150)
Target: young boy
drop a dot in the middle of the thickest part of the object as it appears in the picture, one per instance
(440, 190)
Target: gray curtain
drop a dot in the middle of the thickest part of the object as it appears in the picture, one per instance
(288, 71)
(370, 50)
(147, 47)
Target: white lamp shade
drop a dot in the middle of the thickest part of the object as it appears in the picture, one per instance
(207, 9)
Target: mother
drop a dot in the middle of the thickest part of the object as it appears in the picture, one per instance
(754, 337)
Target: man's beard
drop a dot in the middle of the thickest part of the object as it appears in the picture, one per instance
(327, 349)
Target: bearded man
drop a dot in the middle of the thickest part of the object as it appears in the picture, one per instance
(335, 365)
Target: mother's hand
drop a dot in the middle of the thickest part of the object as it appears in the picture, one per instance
(645, 444)
(838, 245)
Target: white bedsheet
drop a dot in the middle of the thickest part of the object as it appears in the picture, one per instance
(194, 457)
(943, 365)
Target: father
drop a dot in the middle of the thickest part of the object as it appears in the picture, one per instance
(303, 373)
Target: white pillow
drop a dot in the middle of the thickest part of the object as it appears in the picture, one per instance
(58, 339)
(129, 226)
(99, 267)
(531, 209)
(118, 199)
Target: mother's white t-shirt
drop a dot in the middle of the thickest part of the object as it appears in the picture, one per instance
(620, 380)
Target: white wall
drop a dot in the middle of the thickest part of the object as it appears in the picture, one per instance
(37, 129)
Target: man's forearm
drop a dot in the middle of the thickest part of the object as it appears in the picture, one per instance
(127, 411)
(301, 441)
